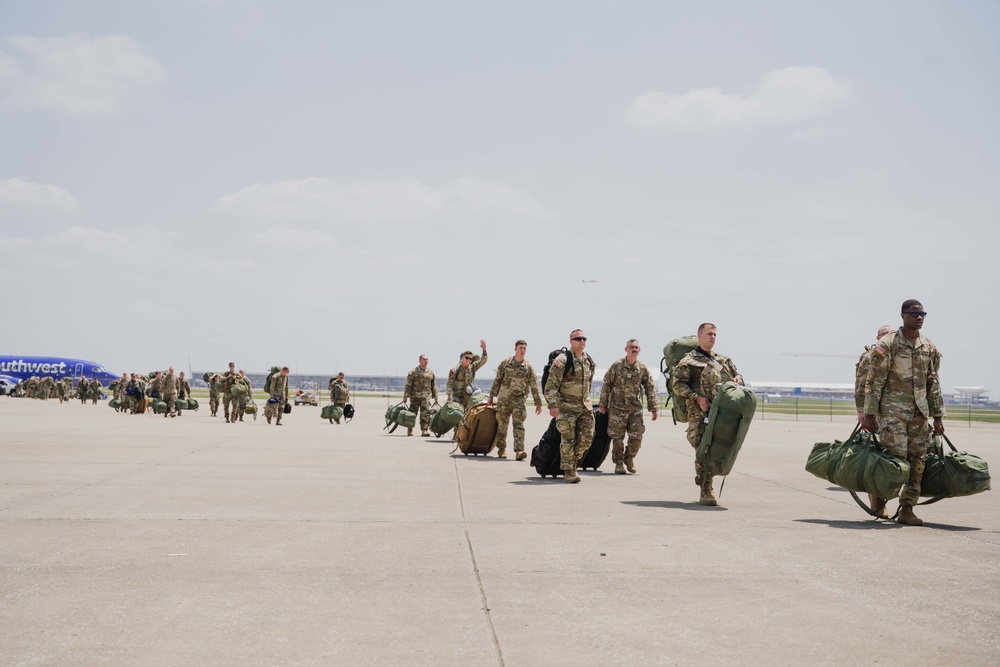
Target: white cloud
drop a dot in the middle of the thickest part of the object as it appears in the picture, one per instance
(21, 195)
(91, 241)
(8, 68)
(782, 95)
(299, 239)
(405, 200)
(78, 75)
(147, 308)
(225, 265)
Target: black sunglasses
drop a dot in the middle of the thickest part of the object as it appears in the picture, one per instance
(468, 358)
(578, 338)
(916, 313)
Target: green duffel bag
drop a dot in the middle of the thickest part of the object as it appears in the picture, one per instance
(239, 389)
(859, 464)
(392, 413)
(447, 417)
(159, 407)
(192, 404)
(180, 404)
(332, 412)
(953, 474)
(250, 408)
(673, 352)
(476, 399)
(406, 419)
(114, 403)
(90, 392)
(728, 422)
(220, 386)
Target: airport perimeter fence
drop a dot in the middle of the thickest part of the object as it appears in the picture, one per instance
(815, 409)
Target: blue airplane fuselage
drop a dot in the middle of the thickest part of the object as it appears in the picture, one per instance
(21, 368)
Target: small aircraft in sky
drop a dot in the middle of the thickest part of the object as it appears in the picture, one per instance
(590, 282)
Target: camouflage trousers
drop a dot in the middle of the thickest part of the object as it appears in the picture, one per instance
(516, 412)
(621, 422)
(575, 424)
(695, 430)
(274, 410)
(422, 406)
(228, 405)
(171, 401)
(908, 436)
(213, 403)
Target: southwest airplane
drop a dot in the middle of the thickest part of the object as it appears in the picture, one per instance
(15, 369)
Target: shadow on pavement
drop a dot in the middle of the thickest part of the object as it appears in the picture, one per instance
(675, 505)
(863, 524)
(836, 488)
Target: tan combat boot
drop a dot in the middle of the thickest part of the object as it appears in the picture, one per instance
(502, 453)
(521, 455)
(425, 434)
(630, 464)
(878, 506)
(619, 468)
(570, 475)
(907, 517)
(409, 430)
(707, 493)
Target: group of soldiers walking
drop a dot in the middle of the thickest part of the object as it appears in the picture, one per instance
(234, 388)
(44, 388)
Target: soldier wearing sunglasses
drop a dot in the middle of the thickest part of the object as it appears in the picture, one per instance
(902, 393)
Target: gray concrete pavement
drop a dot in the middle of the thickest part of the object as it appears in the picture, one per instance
(139, 540)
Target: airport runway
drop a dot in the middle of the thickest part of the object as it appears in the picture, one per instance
(139, 540)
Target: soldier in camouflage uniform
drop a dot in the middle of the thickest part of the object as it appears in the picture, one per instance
(903, 391)
(97, 387)
(696, 379)
(275, 406)
(514, 378)
(47, 386)
(168, 392)
(567, 392)
(213, 395)
(461, 379)
(621, 398)
(81, 390)
(861, 372)
(228, 379)
(183, 387)
(860, 379)
(240, 402)
(420, 388)
(339, 393)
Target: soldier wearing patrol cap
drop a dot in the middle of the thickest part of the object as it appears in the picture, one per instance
(625, 382)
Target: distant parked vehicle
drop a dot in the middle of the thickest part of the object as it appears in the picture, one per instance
(306, 398)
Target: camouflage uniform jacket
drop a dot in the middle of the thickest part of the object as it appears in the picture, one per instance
(701, 373)
(212, 391)
(168, 385)
(420, 384)
(461, 377)
(183, 388)
(904, 375)
(228, 379)
(624, 385)
(279, 387)
(96, 386)
(513, 381)
(861, 377)
(341, 395)
(569, 388)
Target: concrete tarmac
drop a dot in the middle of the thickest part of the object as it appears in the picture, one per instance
(142, 540)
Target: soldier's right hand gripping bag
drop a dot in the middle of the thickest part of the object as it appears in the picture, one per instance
(728, 422)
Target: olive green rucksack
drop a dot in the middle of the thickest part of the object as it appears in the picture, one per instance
(728, 422)
(859, 464)
(267, 383)
(673, 352)
(446, 418)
